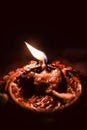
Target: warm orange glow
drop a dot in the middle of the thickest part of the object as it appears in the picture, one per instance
(37, 53)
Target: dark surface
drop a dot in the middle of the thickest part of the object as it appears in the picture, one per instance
(61, 36)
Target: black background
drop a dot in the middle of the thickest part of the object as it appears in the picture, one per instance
(61, 32)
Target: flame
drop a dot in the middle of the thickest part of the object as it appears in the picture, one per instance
(37, 53)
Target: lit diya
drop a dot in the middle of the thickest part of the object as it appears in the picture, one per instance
(43, 87)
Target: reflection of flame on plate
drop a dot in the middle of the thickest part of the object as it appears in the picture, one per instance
(47, 102)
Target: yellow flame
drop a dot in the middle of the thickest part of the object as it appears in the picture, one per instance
(37, 53)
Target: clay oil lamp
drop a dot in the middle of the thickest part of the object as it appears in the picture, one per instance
(41, 86)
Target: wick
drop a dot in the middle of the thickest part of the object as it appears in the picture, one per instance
(43, 64)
